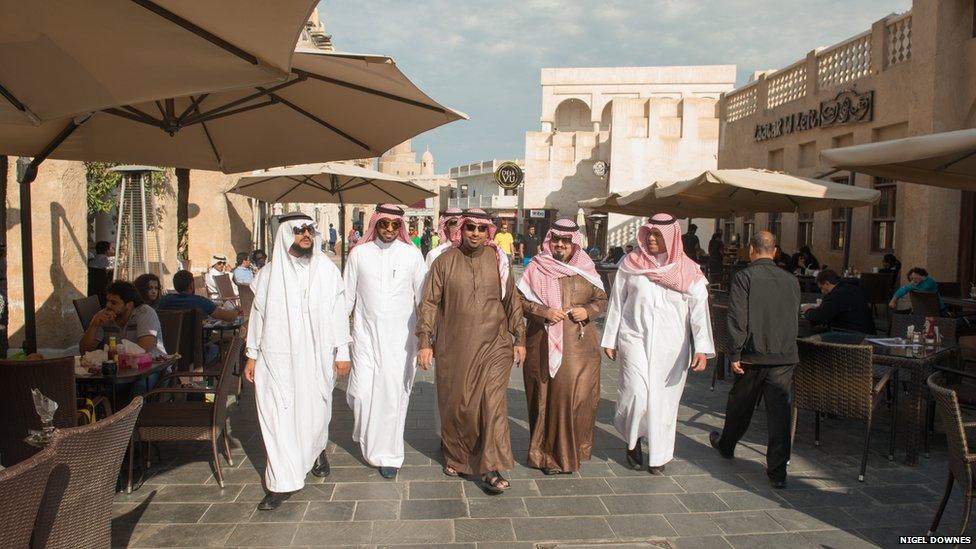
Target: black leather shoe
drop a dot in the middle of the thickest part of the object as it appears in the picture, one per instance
(713, 438)
(273, 500)
(321, 468)
(657, 471)
(635, 457)
(778, 484)
(388, 472)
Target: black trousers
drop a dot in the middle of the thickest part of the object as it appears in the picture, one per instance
(774, 383)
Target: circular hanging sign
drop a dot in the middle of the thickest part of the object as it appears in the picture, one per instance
(509, 175)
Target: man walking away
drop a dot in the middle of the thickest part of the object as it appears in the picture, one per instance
(333, 237)
(762, 329)
(529, 246)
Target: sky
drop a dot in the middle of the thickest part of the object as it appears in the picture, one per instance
(484, 57)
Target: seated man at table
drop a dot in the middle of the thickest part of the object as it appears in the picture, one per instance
(125, 316)
(185, 298)
(843, 307)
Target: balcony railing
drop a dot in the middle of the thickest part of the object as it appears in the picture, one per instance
(886, 44)
(485, 202)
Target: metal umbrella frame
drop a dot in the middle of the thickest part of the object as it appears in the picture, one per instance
(331, 183)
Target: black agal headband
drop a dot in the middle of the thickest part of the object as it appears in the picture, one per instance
(386, 210)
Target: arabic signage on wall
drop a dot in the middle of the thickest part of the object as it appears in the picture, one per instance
(848, 107)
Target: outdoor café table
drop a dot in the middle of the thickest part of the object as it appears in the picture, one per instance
(125, 376)
(918, 361)
(960, 302)
(221, 326)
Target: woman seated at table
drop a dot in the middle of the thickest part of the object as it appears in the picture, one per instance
(149, 288)
(805, 262)
(919, 281)
(843, 306)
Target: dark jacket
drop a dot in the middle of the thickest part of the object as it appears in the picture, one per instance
(763, 308)
(846, 308)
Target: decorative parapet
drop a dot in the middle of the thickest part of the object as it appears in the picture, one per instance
(844, 62)
(786, 85)
(898, 39)
(741, 103)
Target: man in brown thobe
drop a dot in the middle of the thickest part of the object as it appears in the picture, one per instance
(470, 319)
(562, 295)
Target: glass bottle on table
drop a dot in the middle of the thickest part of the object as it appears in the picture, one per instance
(113, 349)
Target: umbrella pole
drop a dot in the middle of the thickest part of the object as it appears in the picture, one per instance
(848, 229)
(342, 231)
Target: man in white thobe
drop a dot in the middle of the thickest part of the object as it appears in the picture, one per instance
(218, 267)
(447, 231)
(297, 343)
(659, 324)
(384, 278)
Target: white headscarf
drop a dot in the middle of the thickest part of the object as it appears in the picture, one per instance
(281, 302)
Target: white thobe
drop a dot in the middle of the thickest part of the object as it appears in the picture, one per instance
(655, 330)
(211, 281)
(437, 251)
(383, 286)
(295, 426)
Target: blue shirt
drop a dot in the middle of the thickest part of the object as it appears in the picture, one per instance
(333, 235)
(243, 275)
(182, 302)
(928, 285)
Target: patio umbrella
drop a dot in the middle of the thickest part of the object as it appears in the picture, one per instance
(730, 193)
(940, 159)
(581, 223)
(610, 203)
(61, 58)
(331, 183)
(333, 106)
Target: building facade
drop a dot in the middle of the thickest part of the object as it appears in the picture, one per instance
(619, 129)
(909, 74)
(475, 187)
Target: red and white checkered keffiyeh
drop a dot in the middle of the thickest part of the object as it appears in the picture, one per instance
(540, 282)
(386, 211)
(677, 271)
(449, 214)
(480, 217)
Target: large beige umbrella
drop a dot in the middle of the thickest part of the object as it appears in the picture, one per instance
(331, 183)
(730, 193)
(610, 203)
(940, 159)
(61, 58)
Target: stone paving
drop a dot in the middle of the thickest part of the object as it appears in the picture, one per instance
(703, 501)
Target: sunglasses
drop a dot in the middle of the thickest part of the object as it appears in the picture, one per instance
(471, 227)
(309, 228)
(388, 224)
(452, 222)
(567, 241)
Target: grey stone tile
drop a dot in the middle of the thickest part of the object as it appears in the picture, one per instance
(875, 515)
(838, 539)
(745, 522)
(573, 487)
(728, 482)
(700, 542)
(355, 474)
(832, 497)
(229, 513)
(262, 535)
(197, 493)
(368, 490)
(645, 485)
(311, 492)
(693, 524)
(377, 510)
(435, 490)
(812, 518)
(159, 513)
(564, 506)
(329, 511)
(506, 545)
(642, 504)
(701, 502)
(185, 535)
(238, 475)
(900, 493)
(750, 501)
(519, 488)
(488, 530)
(413, 531)
(195, 472)
(333, 533)
(414, 509)
(290, 511)
(496, 507)
(556, 529)
(595, 468)
(771, 541)
(430, 473)
(640, 527)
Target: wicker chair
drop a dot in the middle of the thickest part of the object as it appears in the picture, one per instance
(21, 489)
(839, 379)
(247, 298)
(720, 333)
(77, 507)
(925, 304)
(190, 420)
(87, 308)
(200, 286)
(225, 288)
(171, 323)
(55, 378)
(961, 461)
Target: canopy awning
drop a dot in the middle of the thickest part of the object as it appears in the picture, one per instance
(945, 159)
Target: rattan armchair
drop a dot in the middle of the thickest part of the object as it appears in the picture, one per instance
(55, 378)
(76, 510)
(720, 334)
(960, 460)
(21, 489)
(839, 380)
(190, 420)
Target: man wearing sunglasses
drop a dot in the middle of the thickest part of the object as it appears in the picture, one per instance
(297, 345)
(384, 277)
(448, 230)
(470, 319)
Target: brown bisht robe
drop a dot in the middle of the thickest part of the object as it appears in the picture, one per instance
(475, 328)
(562, 409)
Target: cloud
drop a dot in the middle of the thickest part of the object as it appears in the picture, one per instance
(484, 58)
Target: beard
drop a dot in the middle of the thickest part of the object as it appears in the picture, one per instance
(301, 252)
(559, 255)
